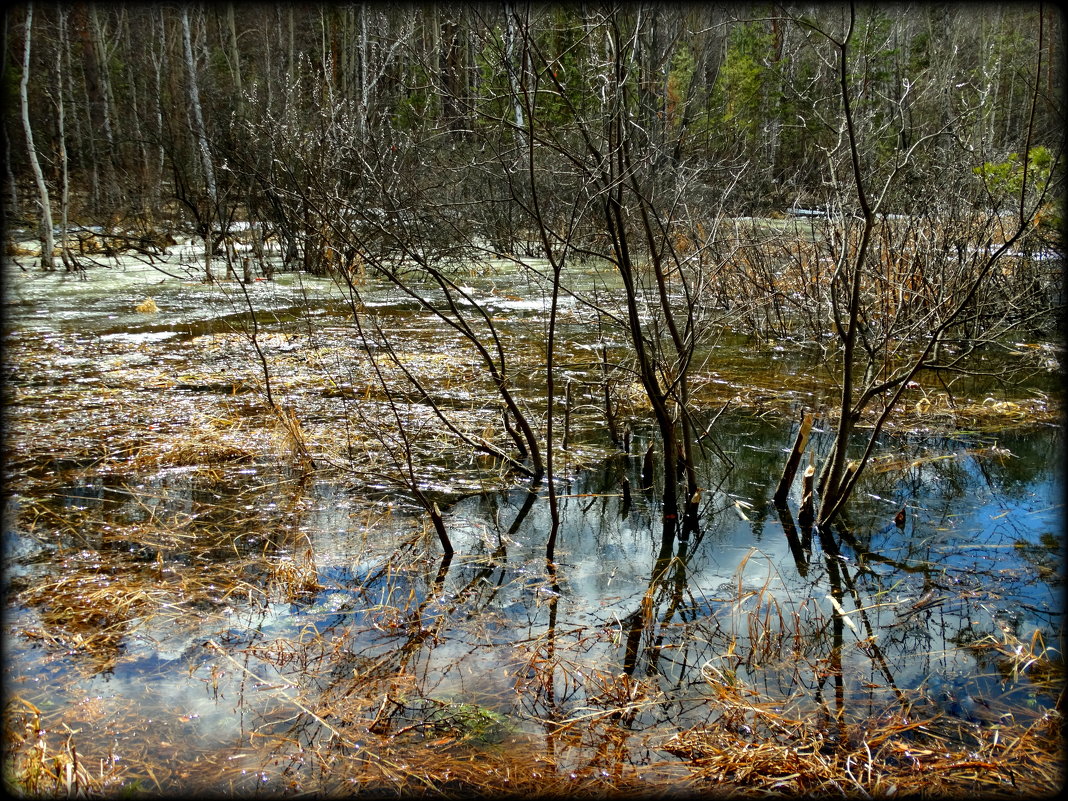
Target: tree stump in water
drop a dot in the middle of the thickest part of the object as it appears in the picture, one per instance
(794, 461)
(807, 513)
(647, 469)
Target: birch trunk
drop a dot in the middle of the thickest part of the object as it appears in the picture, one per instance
(202, 140)
(160, 159)
(64, 198)
(513, 70)
(47, 240)
(235, 61)
(433, 62)
(105, 106)
(291, 61)
(91, 86)
(365, 88)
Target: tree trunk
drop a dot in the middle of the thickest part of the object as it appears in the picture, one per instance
(235, 60)
(47, 241)
(794, 461)
(514, 82)
(96, 91)
(64, 176)
(365, 88)
(833, 480)
(159, 161)
(109, 115)
(202, 142)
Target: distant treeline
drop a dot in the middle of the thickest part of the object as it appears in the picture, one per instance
(198, 109)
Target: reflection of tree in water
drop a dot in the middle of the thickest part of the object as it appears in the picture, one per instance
(1032, 458)
(1007, 464)
(1046, 556)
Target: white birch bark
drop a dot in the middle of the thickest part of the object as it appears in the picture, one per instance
(47, 239)
(235, 59)
(194, 102)
(64, 197)
(158, 63)
(364, 66)
(113, 192)
(201, 136)
(513, 70)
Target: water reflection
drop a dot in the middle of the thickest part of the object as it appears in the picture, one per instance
(219, 622)
(845, 623)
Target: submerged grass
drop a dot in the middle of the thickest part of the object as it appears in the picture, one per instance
(332, 720)
(338, 700)
(756, 748)
(894, 757)
(43, 764)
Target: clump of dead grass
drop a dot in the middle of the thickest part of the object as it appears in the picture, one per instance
(295, 578)
(1030, 659)
(939, 409)
(13, 248)
(292, 439)
(208, 441)
(756, 748)
(43, 764)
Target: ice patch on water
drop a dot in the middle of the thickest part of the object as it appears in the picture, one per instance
(139, 338)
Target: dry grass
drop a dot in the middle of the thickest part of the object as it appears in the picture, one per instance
(336, 721)
(756, 749)
(42, 764)
(194, 567)
(207, 441)
(293, 441)
(940, 411)
(1031, 659)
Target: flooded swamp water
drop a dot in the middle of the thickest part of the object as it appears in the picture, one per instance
(203, 596)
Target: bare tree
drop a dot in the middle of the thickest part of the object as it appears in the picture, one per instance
(891, 326)
(61, 135)
(43, 202)
(203, 147)
(611, 202)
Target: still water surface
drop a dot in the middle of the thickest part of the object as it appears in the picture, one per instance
(232, 677)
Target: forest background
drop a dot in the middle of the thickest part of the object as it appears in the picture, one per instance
(429, 252)
(405, 140)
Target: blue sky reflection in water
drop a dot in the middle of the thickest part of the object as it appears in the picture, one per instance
(209, 675)
(978, 550)
(978, 554)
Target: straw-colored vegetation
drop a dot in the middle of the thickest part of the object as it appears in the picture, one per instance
(341, 722)
(370, 269)
(334, 719)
